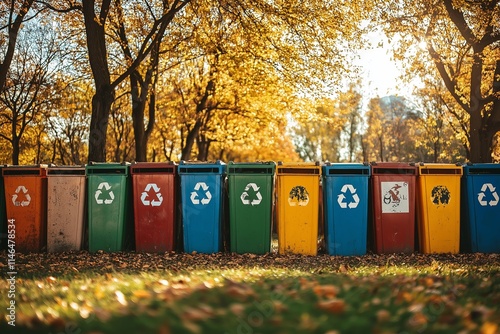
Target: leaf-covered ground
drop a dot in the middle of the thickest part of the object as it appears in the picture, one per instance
(81, 292)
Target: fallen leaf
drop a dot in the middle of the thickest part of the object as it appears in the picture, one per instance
(334, 306)
(328, 291)
(237, 309)
(418, 321)
(142, 294)
(383, 315)
(121, 298)
(488, 328)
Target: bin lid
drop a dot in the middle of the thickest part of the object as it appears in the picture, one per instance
(298, 168)
(107, 168)
(340, 168)
(195, 167)
(169, 167)
(261, 167)
(25, 170)
(396, 168)
(54, 170)
(439, 169)
(481, 168)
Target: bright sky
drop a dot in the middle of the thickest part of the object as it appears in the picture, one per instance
(379, 72)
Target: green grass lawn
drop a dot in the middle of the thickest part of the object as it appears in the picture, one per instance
(228, 293)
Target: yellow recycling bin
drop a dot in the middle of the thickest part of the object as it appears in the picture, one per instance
(439, 208)
(297, 207)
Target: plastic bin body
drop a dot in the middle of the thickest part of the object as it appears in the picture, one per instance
(108, 207)
(345, 198)
(394, 200)
(439, 208)
(480, 219)
(154, 194)
(26, 205)
(202, 206)
(65, 208)
(297, 207)
(250, 206)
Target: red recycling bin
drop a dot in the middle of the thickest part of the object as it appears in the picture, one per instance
(393, 186)
(154, 205)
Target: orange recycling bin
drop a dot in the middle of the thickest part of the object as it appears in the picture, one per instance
(439, 208)
(154, 185)
(298, 207)
(65, 208)
(26, 205)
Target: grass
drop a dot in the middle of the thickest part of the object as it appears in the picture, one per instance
(230, 293)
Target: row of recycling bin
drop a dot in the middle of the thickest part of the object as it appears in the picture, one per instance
(399, 207)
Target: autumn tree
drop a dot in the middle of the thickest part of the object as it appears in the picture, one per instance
(319, 139)
(68, 123)
(387, 137)
(12, 17)
(29, 89)
(440, 131)
(460, 38)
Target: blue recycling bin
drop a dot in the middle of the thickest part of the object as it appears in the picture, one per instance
(345, 198)
(202, 205)
(480, 224)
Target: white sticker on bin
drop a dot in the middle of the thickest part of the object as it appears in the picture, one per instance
(395, 197)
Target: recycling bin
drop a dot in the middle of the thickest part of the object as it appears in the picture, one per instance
(202, 205)
(480, 222)
(109, 208)
(394, 200)
(345, 198)
(154, 193)
(65, 208)
(3, 213)
(439, 207)
(26, 205)
(251, 189)
(298, 207)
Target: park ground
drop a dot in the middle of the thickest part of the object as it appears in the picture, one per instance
(129, 292)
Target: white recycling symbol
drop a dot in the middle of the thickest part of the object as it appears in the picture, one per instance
(98, 193)
(341, 197)
(194, 194)
(244, 195)
(482, 195)
(144, 195)
(27, 197)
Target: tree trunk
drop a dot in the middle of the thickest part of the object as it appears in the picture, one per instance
(104, 95)
(190, 140)
(478, 146)
(101, 108)
(15, 151)
(140, 99)
(493, 125)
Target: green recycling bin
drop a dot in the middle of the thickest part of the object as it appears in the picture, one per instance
(250, 206)
(109, 206)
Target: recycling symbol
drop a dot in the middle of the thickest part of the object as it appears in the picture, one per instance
(144, 195)
(481, 196)
(355, 198)
(244, 195)
(26, 202)
(98, 193)
(194, 194)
